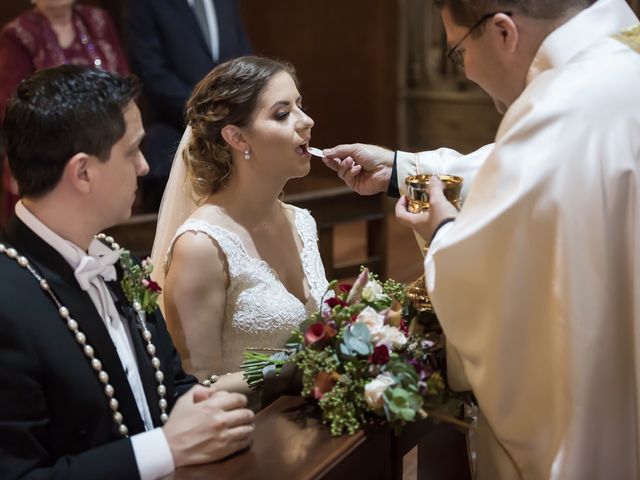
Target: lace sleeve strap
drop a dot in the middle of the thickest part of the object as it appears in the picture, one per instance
(224, 240)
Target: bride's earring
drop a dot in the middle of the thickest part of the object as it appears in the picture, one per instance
(247, 154)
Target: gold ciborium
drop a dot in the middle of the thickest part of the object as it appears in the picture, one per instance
(418, 194)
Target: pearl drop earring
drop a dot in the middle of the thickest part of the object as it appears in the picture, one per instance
(247, 154)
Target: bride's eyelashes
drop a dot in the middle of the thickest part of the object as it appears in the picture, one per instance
(282, 115)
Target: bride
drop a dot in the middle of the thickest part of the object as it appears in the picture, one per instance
(240, 268)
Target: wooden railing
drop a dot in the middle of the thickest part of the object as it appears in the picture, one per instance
(290, 442)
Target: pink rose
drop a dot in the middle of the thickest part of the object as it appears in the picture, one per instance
(374, 390)
(372, 319)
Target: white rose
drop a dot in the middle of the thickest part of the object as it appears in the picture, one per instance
(374, 390)
(371, 291)
(372, 319)
(390, 336)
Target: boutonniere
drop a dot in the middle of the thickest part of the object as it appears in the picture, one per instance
(137, 284)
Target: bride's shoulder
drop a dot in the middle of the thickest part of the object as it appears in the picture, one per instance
(300, 216)
(192, 249)
(213, 221)
(207, 217)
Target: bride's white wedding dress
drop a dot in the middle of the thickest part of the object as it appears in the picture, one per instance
(260, 311)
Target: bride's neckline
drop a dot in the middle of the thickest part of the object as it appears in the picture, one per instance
(259, 261)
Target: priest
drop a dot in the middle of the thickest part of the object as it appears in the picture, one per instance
(537, 280)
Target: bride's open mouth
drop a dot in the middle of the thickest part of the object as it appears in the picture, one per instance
(302, 149)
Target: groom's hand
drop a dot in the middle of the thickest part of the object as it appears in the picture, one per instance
(366, 169)
(208, 426)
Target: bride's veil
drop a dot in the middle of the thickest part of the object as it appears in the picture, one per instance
(178, 202)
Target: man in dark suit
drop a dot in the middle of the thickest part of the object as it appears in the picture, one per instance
(90, 386)
(172, 45)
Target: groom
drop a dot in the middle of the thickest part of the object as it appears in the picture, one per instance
(88, 389)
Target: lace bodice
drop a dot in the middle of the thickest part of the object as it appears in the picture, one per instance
(260, 311)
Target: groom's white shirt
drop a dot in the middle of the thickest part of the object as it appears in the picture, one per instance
(152, 452)
(537, 282)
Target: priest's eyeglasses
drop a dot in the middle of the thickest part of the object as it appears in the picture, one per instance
(455, 54)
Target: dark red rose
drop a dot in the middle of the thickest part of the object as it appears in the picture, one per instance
(344, 287)
(333, 301)
(380, 355)
(404, 328)
(153, 286)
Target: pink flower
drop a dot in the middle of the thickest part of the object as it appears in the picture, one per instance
(356, 291)
(318, 332)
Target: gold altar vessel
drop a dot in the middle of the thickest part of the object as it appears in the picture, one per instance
(418, 194)
(418, 191)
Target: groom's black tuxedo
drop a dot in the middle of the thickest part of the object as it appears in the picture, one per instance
(54, 418)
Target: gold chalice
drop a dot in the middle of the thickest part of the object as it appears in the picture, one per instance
(418, 191)
(418, 194)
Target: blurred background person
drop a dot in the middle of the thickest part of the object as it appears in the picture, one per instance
(53, 32)
(172, 45)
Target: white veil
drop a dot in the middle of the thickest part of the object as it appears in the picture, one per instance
(178, 202)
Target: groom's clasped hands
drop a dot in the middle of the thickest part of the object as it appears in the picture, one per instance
(207, 425)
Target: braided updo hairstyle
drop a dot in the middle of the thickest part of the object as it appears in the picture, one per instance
(226, 96)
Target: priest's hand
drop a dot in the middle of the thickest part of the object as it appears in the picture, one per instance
(206, 425)
(366, 169)
(425, 224)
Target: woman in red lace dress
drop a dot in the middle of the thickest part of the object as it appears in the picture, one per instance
(52, 33)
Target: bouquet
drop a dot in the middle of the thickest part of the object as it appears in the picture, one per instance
(360, 362)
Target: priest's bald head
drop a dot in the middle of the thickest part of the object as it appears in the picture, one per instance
(495, 41)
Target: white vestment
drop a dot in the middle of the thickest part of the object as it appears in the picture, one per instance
(537, 282)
